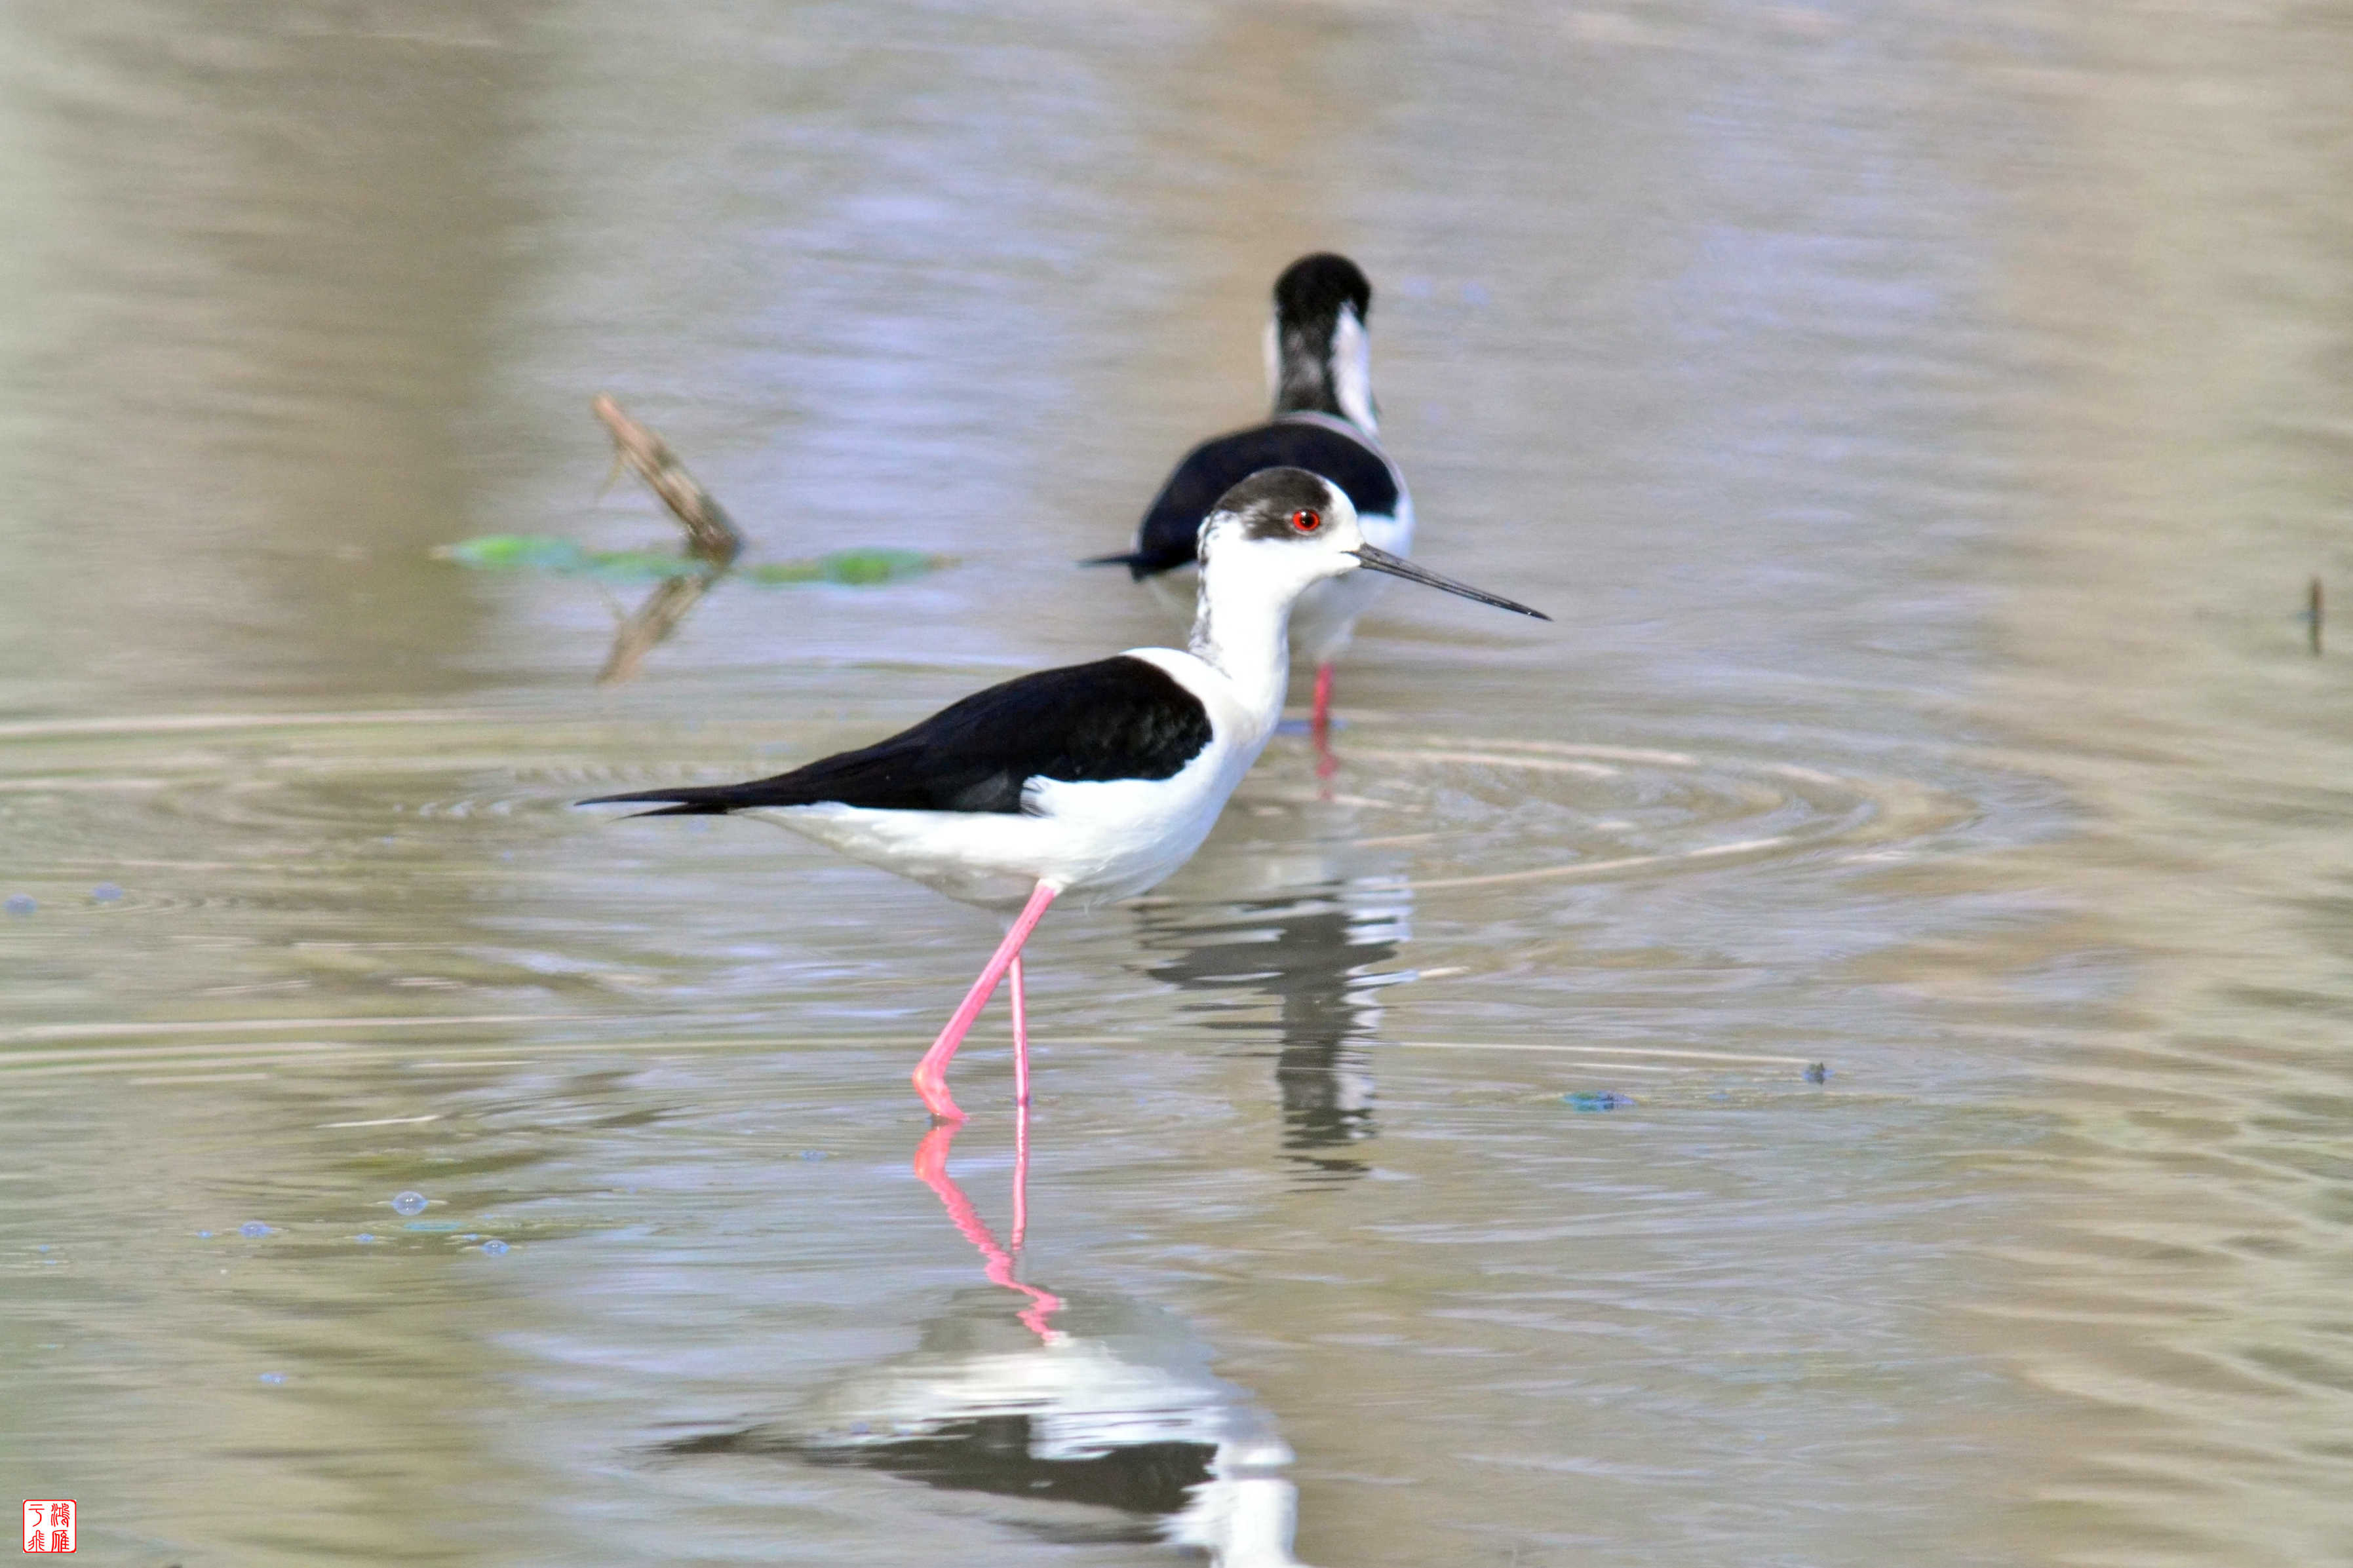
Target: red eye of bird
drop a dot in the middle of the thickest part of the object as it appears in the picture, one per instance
(1307, 522)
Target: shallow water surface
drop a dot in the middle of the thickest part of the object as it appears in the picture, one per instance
(1833, 1052)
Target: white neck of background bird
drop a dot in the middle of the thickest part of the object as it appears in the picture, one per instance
(1312, 371)
(1242, 626)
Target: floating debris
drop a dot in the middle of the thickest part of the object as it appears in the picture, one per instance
(712, 545)
(1596, 1100)
(1818, 1072)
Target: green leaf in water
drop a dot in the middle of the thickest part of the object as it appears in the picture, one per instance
(537, 553)
(506, 551)
(863, 568)
(850, 568)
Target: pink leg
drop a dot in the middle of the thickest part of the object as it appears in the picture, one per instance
(1020, 1034)
(932, 1168)
(1321, 724)
(931, 1075)
(1020, 1174)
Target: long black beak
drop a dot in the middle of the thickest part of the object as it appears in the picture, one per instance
(1398, 566)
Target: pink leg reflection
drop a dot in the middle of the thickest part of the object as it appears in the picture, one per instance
(931, 1076)
(931, 1167)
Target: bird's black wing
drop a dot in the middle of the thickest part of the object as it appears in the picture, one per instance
(1172, 527)
(1121, 718)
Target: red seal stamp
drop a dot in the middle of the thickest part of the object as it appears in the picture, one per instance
(50, 1524)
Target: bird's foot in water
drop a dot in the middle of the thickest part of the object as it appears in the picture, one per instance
(936, 1100)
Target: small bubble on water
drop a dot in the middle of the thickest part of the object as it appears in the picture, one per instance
(106, 893)
(253, 1227)
(1818, 1072)
(363, 1238)
(813, 1154)
(20, 904)
(204, 1236)
(273, 1378)
(408, 1202)
(495, 1248)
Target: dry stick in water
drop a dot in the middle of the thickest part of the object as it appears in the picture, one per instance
(710, 537)
(2312, 615)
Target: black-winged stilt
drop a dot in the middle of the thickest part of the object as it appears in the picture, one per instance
(1318, 363)
(1096, 779)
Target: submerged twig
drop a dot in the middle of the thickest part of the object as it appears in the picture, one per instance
(711, 536)
(650, 625)
(2312, 615)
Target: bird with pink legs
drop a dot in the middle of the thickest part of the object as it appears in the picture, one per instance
(1094, 781)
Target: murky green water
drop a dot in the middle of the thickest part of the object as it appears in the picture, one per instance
(1923, 423)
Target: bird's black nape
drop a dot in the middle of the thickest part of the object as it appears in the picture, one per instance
(1314, 287)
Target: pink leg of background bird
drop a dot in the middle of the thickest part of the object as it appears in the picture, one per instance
(931, 1075)
(932, 1168)
(1321, 724)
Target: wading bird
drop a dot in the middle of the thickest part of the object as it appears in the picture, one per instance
(1095, 779)
(1319, 365)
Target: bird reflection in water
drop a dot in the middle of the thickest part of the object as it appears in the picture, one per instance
(1099, 1415)
(1323, 955)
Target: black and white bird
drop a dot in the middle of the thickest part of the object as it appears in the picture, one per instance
(1095, 779)
(1319, 365)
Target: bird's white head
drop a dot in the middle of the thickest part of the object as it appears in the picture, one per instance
(1276, 534)
(1271, 538)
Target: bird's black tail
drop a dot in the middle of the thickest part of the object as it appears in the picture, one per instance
(1135, 561)
(687, 800)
